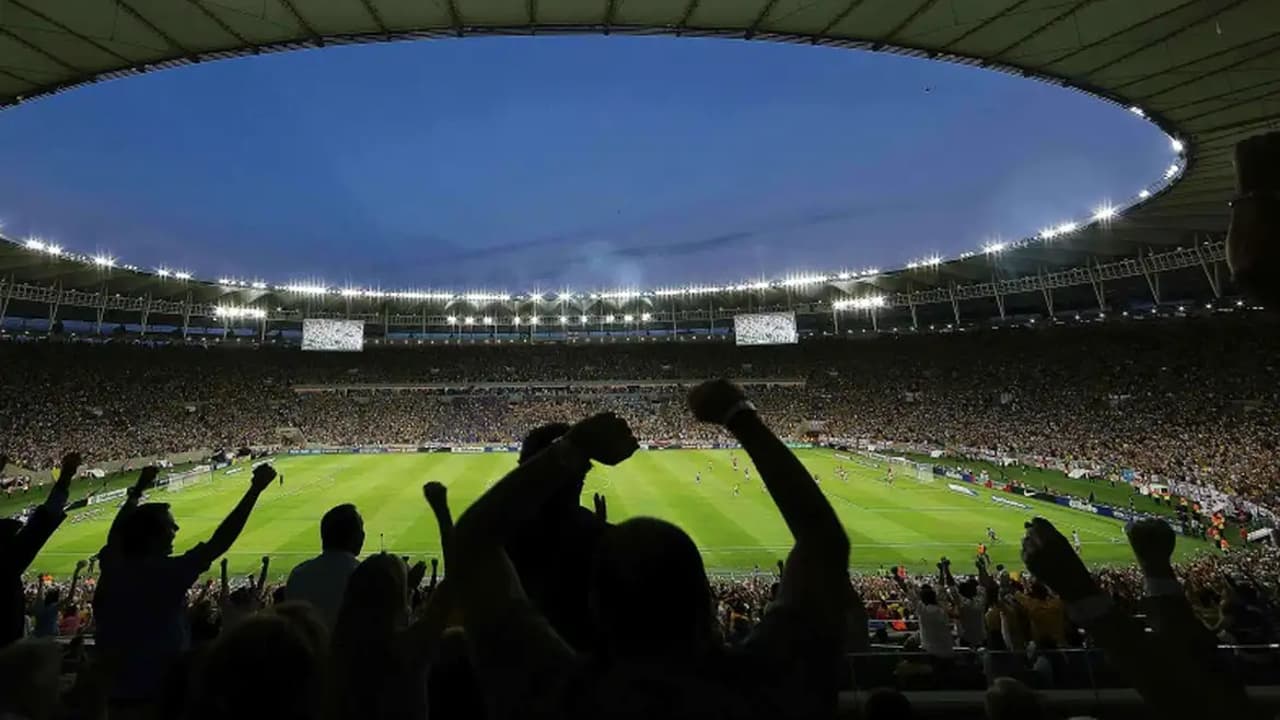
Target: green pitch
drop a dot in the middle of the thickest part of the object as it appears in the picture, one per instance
(909, 523)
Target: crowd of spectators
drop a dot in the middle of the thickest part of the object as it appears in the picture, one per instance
(1185, 401)
(545, 608)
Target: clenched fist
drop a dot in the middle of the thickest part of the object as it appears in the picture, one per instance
(712, 401)
(605, 438)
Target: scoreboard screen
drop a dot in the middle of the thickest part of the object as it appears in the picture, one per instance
(333, 335)
(765, 329)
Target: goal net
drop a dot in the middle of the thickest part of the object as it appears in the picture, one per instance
(902, 467)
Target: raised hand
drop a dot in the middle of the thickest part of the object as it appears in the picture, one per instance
(416, 573)
(262, 477)
(602, 507)
(1050, 557)
(70, 466)
(605, 438)
(1152, 541)
(146, 479)
(81, 565)
(713, 401)
(436, 493)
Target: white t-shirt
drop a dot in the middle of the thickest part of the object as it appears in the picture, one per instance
(322, 581)
(935, 630)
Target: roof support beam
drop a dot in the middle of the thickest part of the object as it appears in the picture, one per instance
(1171, 70)
(142, 20)
(373, 13)
(1112, 36)
(755, 24)
(73, 33)
(609, 9)
(1167, 109)
(839, 18)
(455, 20)
(1038, 31)
(302, 22)
(1231, 106)
(220, 23)
(890, 36)
(38, 50)
(687, 15)
(985, 23)
(1162, 39)
(532, 10)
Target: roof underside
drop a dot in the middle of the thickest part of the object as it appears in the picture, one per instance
(1207, 70)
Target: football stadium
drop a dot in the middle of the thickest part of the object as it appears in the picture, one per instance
(1036, 477)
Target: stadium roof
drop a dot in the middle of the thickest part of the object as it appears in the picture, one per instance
(1206, 71)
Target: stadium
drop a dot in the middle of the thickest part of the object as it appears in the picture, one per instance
(1108, 370)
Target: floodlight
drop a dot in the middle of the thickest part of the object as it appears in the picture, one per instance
(104, 261)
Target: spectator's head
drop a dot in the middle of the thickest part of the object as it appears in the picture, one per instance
(342, 529)
(968, 588)
(29, 675)
(263, 667)
(149, 531)
(376, 600)
(928, 595)
(539, 439)
(886, 704)
(1009, 699)
(643, 618)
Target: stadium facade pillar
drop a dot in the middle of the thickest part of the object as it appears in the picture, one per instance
(1047, 291)
(1152, 278)
(102, 308)
(53, 306)
(1095, 279)
(146, 313)
(1210, 275)
(835, 318)
(186, 316)
(995, 290)
(4, 301)
(955, 303)
(911, 303)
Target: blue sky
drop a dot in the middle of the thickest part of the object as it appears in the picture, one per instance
(579, 162)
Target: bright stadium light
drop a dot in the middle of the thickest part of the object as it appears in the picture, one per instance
(163, 272)
(1171, 172)
(233, 312)
(349, 292)
(259, 285)
(1144, 193)
(608, 318)
(452, 319)
(584, 319)
(564, 320)
(34, 244)
(994, 248)
(628, 318)
(515, 320)
(1177, 145)
(488, 320)
(305, 289)
(54, 250)
(104, 261)
(862, 303)
(564, 296)
(1104, 213)
(469, 321)
(646, 317)
(533, 319)
(1137, 111)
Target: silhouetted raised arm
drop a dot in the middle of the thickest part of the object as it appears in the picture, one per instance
(1161, 670)
(44, 521)
(437, 496)
(231, 527)
(146, 480)
(818, 566)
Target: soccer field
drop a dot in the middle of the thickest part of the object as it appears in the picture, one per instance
(911, 522)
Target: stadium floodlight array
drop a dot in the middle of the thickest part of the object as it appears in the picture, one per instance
(232, 312)
(863, 303)
(1102, 214)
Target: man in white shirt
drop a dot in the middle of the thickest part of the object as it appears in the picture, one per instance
(322, 580)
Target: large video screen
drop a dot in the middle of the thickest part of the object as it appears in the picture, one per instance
(765, 329)
(333, 335)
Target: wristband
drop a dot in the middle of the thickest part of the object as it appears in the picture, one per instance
(738, 407)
